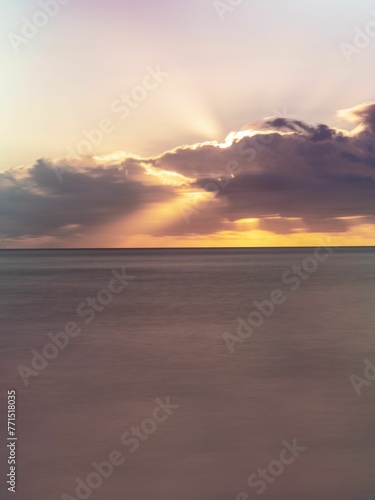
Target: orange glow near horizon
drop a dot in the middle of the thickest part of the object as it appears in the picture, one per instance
(363, 235)
(117, 236)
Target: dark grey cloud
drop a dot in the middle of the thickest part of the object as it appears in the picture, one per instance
(319, 133)
(283, 171)
(33, 202)
(317, 174)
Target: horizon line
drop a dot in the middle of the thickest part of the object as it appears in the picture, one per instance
(189, 248)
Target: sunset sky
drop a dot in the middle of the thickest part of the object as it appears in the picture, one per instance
(171, 123)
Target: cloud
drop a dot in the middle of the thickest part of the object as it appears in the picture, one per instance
(290, 175)
(34, 203)
(321, 177)
(364, 115)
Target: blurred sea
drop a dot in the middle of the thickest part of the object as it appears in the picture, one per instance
(162, 336)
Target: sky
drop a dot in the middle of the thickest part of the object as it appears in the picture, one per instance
(173, 123)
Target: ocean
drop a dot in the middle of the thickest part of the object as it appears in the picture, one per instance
(210, 374)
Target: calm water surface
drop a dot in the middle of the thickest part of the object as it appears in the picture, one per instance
(163, 337)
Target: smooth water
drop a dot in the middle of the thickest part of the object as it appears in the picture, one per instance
(162, 336)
